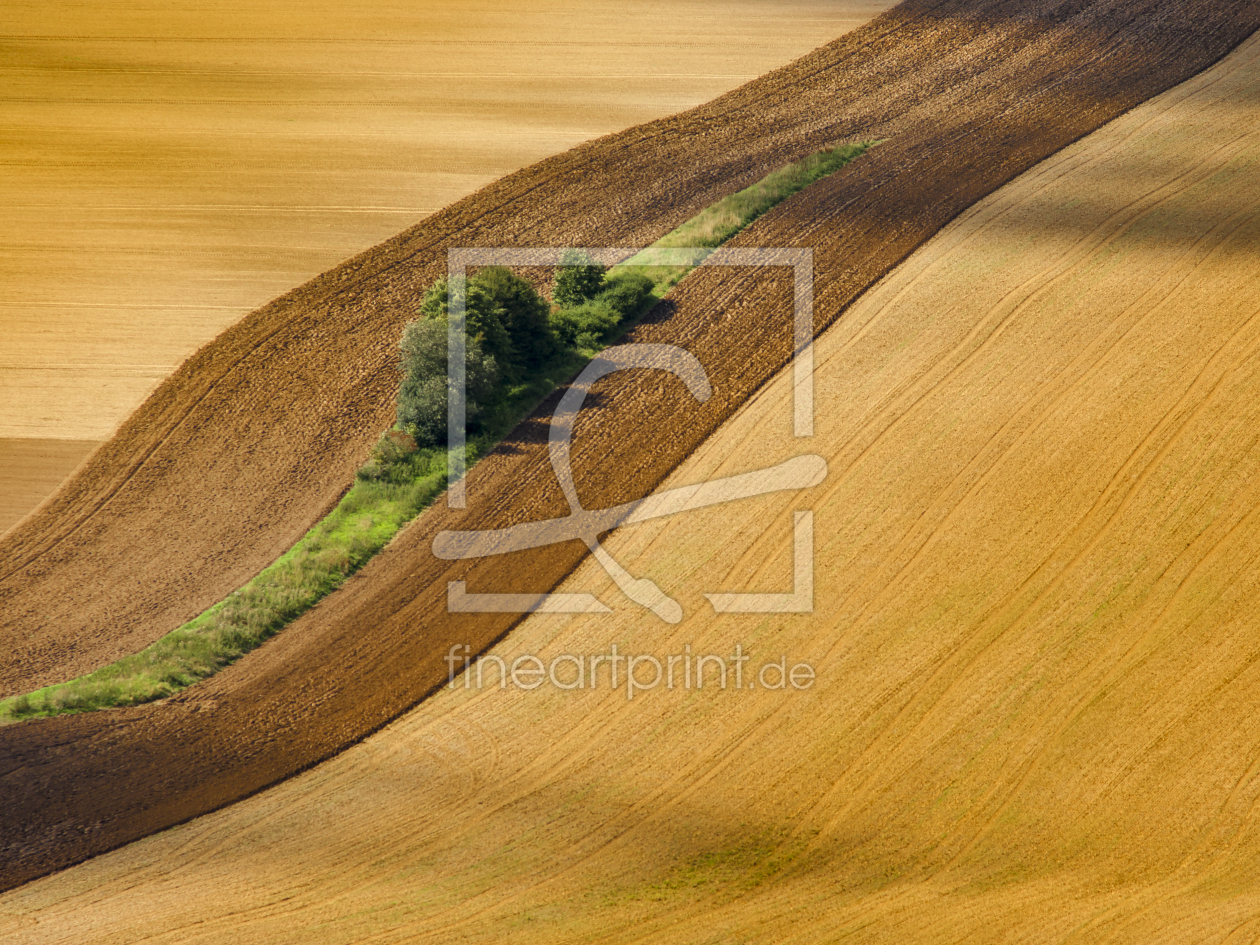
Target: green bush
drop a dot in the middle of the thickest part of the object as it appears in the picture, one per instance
(505, 314)
(578, 280)
(423, 395)
(584, 325)
(391, 459)
(433, 306)
(627, 292)
(522, 311)
(483, 321)
(588, 324)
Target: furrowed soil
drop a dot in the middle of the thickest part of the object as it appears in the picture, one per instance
(228, 461)
(1033, 632)
(168, 168)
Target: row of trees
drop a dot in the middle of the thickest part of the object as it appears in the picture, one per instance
(511, 332)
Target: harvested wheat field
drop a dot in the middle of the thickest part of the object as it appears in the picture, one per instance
(1035, 592)
(168, 168)
(33, 468)
(261, 430)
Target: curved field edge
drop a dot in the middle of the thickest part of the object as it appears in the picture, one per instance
(1033, 717)
(372, 512)
(969, 95)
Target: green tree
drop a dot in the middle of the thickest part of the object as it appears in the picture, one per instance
(521, 311)
(505, 314)
(578, 280)
(483, 320)
(424, 393)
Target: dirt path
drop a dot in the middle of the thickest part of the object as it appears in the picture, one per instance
(1033, 633)
(970, 101)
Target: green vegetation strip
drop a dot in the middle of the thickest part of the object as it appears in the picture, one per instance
(400, 481)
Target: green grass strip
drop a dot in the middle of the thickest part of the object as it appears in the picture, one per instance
(369, 515)
(717, 223)
(376, 508)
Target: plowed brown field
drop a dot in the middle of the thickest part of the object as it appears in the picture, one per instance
(169, 167)
(231, 457)
(1037, 586)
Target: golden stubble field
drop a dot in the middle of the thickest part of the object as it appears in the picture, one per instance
(168, 168)
(1033, 630)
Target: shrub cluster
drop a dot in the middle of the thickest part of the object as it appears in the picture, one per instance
(510, 334)
(591, 305)
(506, 336)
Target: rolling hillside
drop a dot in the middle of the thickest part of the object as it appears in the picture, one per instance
(970, 95)
(1033, 631)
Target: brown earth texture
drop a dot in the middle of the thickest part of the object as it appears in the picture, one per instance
(233, 456)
